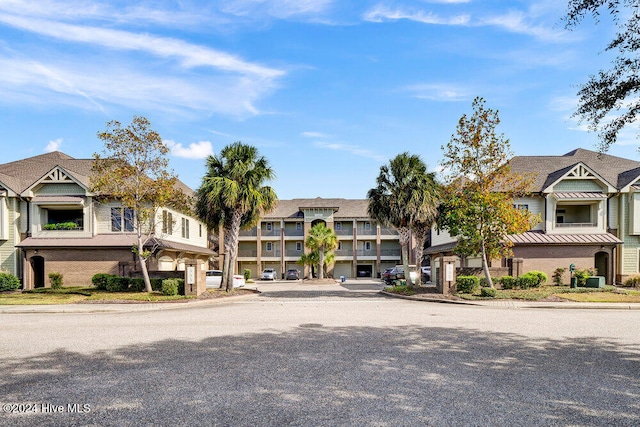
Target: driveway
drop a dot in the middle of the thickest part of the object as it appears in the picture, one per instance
(335, 355)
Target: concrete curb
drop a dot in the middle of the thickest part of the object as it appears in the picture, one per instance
(427, 299)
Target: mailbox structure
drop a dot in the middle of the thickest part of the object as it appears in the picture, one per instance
(195, 281)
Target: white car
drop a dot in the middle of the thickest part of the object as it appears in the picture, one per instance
(214, 279)
(268, 274)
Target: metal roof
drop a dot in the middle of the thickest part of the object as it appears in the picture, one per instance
(542, 238)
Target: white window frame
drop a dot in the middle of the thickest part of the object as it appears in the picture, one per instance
(338, 226)
(185, 228)
(298, 226)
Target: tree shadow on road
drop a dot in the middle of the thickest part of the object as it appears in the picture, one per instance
(315, 375)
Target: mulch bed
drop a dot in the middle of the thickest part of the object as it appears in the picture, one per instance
(213, 294)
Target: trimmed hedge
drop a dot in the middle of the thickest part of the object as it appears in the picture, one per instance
(467, 284)
(117, 284)
(100, 280)
(488, 292)
(508, 282)
(9, 282)
(170, 287)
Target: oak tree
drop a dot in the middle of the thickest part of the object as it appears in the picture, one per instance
(609, 100)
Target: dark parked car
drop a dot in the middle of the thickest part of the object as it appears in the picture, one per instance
(293, 274)
(385, 276)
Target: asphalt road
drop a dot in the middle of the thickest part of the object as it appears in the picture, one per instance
(324, 355)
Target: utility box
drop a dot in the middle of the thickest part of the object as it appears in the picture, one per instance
(595, 282)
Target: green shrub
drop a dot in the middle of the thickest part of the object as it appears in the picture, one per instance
(632, 281)
(247, 274)
(488, 292)
(100, 280)
(583, 274)
(467, 284)
(541, 275)
(156, 284)
(170, 287)
(8, 282)
(117, 284)
(181, 287)
(557, 276)
(532, 279)
(508, 282)
(70, 225)
(484, 283)
(56, 280)
(136, 284)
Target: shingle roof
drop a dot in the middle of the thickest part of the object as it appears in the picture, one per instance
(22, 174)
(617, 171)
(344, 208)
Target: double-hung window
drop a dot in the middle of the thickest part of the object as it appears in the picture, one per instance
(122, 219)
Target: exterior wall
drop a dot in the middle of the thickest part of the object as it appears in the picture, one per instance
(78, 265)
(9, 255)
(587, 185)
(440, 237)
(548, 258)
(536, 206)
(614, 205)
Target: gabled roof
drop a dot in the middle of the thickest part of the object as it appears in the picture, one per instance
(618, 172)
(344, 208)
(21, 175)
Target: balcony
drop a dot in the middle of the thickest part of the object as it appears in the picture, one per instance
(576, 224)
(247, 253)
(251, 233)
(271, 254)
(366, 231)
(363, 252)
(293, 253)
(347, 232)
(390, 252)
(344, 252)
(276, 232)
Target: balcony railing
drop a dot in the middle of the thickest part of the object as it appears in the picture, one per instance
(252, 232)
(347, 232)
(366, 232)
(389, 252)
(344, 252)
(293, 252)
(363, 252)
(274, 253)
(388, 231)
(575, 224)
(247, 253)
(271, 233)
(293, 232)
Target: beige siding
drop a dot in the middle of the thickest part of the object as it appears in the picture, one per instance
(536, 207)
(614, 203)
(60, 189)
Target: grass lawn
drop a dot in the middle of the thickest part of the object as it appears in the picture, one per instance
(606, 294)
(72, 295)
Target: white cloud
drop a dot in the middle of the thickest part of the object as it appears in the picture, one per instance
(314, 135)
(353, 149)
(519, 22)
(53, 145)
(187, 54)
(381, 13)
(438, 92)
(281, 9)
(195, 150)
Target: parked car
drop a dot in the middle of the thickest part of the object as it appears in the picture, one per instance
(426, 273)
(214, 278)
(397, 273)
(238, 281)
(385, 274)
(268, 274)
(293, 274)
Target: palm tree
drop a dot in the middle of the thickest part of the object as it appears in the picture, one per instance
(233, 195)
(406, 198)
(321, 239)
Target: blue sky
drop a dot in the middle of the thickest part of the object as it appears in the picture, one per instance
(327, 90)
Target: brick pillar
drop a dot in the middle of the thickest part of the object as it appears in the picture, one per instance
(194, 277)
(447, 281)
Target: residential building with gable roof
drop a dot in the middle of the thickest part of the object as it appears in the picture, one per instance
(51, 222)
(589, 204)
(364, 247)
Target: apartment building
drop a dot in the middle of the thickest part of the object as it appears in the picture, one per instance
(589, 204)
(51, 222)
(364, 247)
